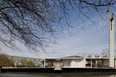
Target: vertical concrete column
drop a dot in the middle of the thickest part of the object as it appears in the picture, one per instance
(111, 41)
(91, 63)
(96, 63)
(44, 63)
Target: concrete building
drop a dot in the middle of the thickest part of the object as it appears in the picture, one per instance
(77, 62)
(65, 62)
(73, 62)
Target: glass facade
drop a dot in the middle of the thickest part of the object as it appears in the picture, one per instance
(17, 59)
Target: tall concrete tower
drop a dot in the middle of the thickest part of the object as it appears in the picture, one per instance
(111, 39)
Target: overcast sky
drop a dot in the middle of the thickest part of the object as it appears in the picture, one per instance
(85, 38)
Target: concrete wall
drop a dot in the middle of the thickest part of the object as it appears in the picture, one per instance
(66, 63)
(78, 63)
(74, 63)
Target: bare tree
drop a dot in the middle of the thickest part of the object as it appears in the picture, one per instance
(89, 56)
(35, 22)
(105, 53)
(97, 56)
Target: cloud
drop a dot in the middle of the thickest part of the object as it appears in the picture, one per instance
(86, 38)
(92, 39)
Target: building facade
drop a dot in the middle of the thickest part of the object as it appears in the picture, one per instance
(17, 60)
(77, 62)
(65, 62)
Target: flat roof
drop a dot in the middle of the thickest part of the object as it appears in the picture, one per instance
(78, 58)
(98, 58)
(67, 57)
(73, 57)
(23, 57)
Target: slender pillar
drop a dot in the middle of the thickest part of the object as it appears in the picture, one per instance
(91, 63)
(111, 40)
(96, 63)
(44, 63)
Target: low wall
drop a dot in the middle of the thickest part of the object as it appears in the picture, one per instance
(87, 70)
(29, 70)
(64, 70)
